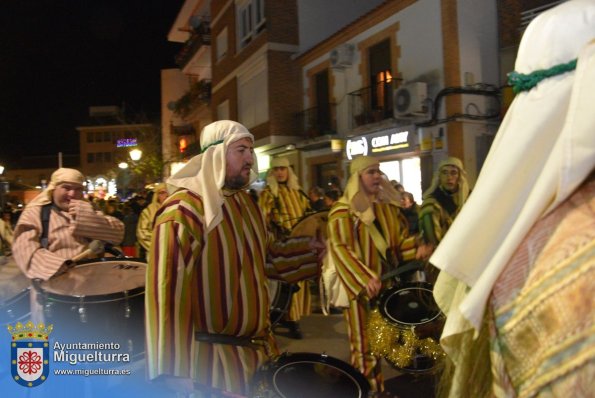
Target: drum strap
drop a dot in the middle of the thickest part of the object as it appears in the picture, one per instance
(45, 222)
(214, 338)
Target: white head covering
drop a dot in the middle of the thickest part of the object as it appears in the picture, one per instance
(292, 180)
(463, 191)
(204, 174)
(542, 152)
(357, 199)
(60, 176)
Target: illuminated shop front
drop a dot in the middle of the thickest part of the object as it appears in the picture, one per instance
(398, 151)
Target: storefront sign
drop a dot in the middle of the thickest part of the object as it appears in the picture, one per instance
(386, 141)
(126, 142)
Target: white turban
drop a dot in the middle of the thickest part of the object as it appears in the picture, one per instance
(543, 150)
(204, 174)
(60, 176)
(357, 199)
(292, 180)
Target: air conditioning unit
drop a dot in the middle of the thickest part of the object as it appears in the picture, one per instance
(342, 56)
(410, 99)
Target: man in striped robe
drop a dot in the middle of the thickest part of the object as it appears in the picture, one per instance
(284, 204)
(73, 224)
(207, 299)
(369, 202)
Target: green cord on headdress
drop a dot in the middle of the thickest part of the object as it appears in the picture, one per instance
(210, 145)
(521, 82)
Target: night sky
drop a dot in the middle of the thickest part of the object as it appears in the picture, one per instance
(59, 57)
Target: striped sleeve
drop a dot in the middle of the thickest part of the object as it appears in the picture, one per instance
(292, 260)
(168, 306)
(343, 248)
(91, 224)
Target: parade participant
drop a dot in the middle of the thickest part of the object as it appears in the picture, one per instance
(316, 195)
(72, 224)
(366, 236)
(207, 300)
(284, 203)
(144, 227)
(517, 265)
(441, 204)
(6, 234)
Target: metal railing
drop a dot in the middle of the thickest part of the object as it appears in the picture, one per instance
(200, 36)
(528, 15)
(372, 104)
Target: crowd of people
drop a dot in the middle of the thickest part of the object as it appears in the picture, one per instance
(211, 243)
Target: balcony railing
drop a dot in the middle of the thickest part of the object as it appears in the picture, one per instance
(317, 121)
(372, 104)
(200, 36)
(198, 94)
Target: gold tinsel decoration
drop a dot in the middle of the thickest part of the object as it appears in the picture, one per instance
(399, 346)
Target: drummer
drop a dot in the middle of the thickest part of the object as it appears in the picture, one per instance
(72, 224)
(364, 228)
(207, 304)
(284, 203)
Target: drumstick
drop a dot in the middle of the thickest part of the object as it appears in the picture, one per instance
(95, 247)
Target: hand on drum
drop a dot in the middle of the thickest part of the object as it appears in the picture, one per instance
(373, 287)
(317, 244)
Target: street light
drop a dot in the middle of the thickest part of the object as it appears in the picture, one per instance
(136, 154)
(123, 165)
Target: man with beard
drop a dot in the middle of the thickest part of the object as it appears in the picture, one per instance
(207, 300)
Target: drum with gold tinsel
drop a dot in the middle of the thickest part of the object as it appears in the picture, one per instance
(405, 327)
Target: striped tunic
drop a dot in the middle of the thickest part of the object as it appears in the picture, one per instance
(67, 237)
(291, 207)
(214, 283)
(357, 261)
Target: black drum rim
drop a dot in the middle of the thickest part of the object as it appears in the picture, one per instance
(386, 295)
(287, 359)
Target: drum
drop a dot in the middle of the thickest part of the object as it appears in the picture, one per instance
(311, 225)
(14, 294)
(280, 293)
(410, 307)
(302, 374)
(98, 300)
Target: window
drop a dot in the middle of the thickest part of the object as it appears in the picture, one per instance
(107, 157)
(98, 136)
(89, 137)
(221, 44)
(251, 21)
(252, 97)
(90, 157)
(223, 110)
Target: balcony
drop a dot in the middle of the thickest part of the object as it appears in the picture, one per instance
(201, 36)
(317, 121)
(372, 104)
(198, 94)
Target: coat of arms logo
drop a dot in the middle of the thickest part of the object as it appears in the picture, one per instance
(30, 353)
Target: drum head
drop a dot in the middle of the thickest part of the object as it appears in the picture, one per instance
(311, 225)
(99, 277)
(313, 376)
(410, 304)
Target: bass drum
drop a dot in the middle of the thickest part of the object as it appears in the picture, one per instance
(280, 293)
(411, 306)
(14, 294)
(311, 225)
(302, 374)
(98, 300)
